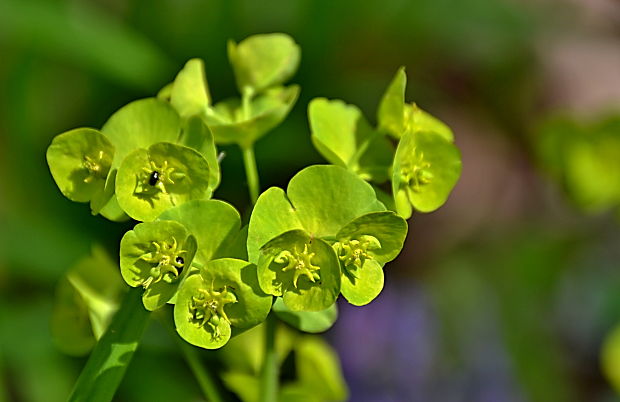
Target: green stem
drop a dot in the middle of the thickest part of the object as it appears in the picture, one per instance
(109, 359)
(204, 378)
(270, 370)
(251, 171)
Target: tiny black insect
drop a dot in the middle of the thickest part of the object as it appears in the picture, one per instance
(180, 260)
(154, 178)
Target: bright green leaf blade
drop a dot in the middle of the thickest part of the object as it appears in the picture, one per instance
(426, 168)
(80, 161)
(304, 270)
(182, 175)
(333, 125)
(196, 135)
(231, 124)
(197, 324)
(190, 93)
(112, 354)
(307, 321)
(273, 215)
(141, 124)
(328, 197)
(419, 120)
(362, 285)
(318, 368)
(263, 61)
(391, 112)
(165, 93)
(214, 223)
(156, 255)
(388, 228)
(252, 305)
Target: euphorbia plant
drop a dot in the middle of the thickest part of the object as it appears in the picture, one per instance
(331, 232)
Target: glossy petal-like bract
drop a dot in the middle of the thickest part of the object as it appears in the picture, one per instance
(189, 94)
(230, 123)
(151, 181)
(214, 223)
(417, 119)
(262, 61)
(426, 168)
(157, 256)
(224, 294)
(198, 136)
(391, 112)
(303, 270)
(80, 162)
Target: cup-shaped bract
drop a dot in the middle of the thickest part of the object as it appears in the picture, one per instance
(320, 199)
(417, 120)
(343, 136)
(232, 123)
(80, 162)
(263, 61)
(196, 135)
(426, 168)
(303, 270)
(363, 247)
(157, 256)
(391, 111)
(149, 181)
(215, 224)
(189, 93)
(224, 294)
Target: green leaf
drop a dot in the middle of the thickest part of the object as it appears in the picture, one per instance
(109, 359)
(231, 123)
(303, 270)
(190, 93)
(182, 174)
(196, 135)
(263, 61)
(389, 229)
(318, 368)
(328, 197)
(419, 120)
(391, 112)
(157, 255)
(80, 161)
(140, 124)
(426, 168)
(214, 223)
(362, 285)
(307, 321)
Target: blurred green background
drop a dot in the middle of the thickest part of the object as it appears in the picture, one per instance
(504, 294)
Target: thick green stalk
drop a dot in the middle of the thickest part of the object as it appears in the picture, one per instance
(251, 171)
(270, 370)
(109, 359)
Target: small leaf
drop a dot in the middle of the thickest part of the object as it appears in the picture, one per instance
(303, 270)
(419, 120)
(307, 321)
(362, 285)
(151, 181)
(391, 112)
(157, 256)
(263, 61)
(231, 124)
(214, 223)
(190, 93)
(318, 368)
(196, 135)
(426, 168)
(80, 161)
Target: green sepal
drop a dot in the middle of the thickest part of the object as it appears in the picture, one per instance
(362, 285)
(263, 61)
(189, 94)
(183, 176)
(417, 120)
(80, 161)
(230, 123)
(196, 135)
(426, 168)
(303, 270)
(388, 228)
(307, 321)
(391, 111)
(148, 258)
(214, 223)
